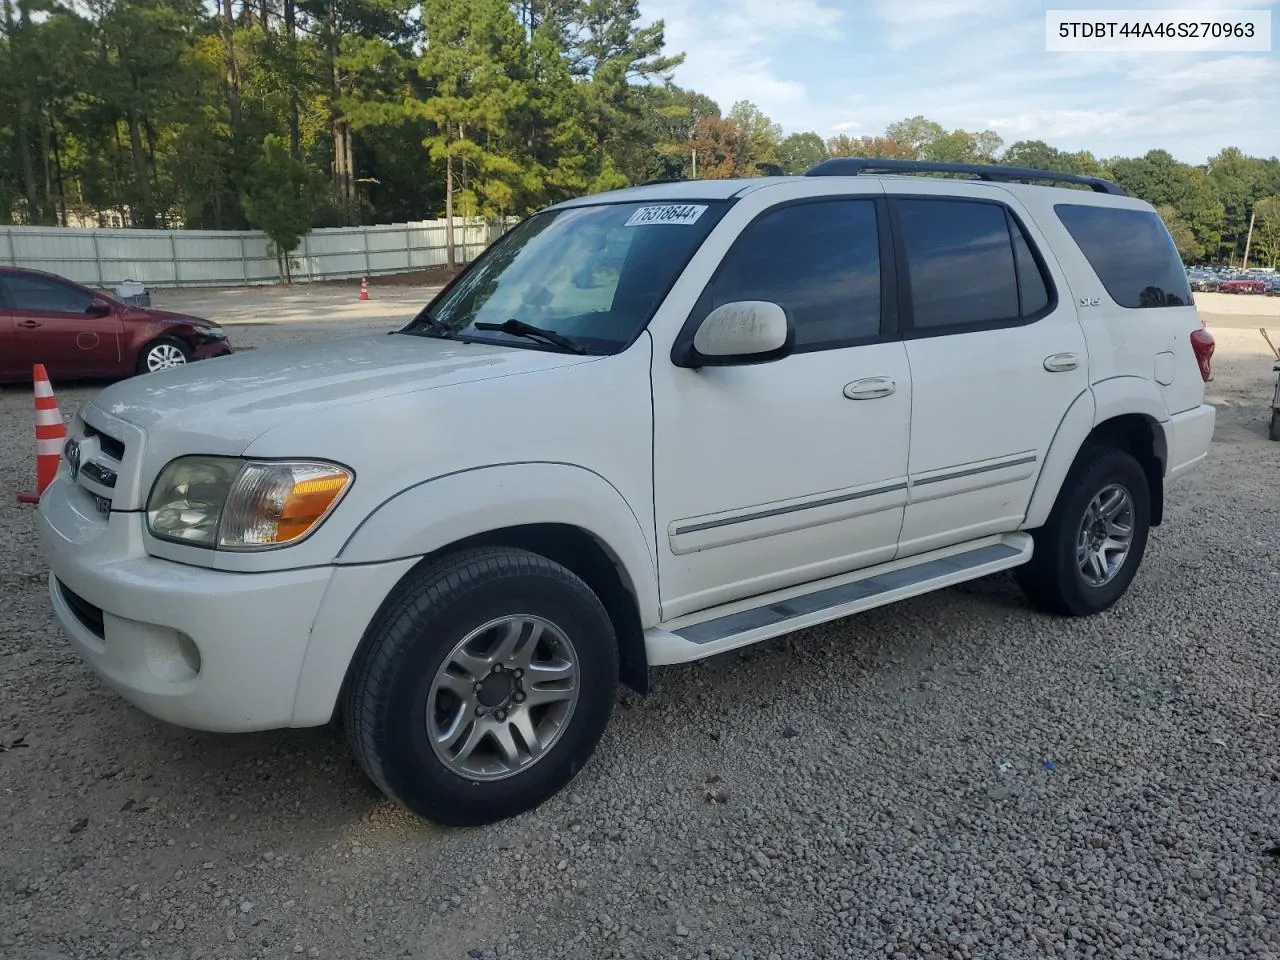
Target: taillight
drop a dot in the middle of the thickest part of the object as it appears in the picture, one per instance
(1202, 344)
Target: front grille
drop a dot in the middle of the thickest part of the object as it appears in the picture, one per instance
(109, 445)
(90, 617)
(100, 474)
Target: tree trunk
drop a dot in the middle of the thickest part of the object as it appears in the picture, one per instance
(60, 194)
(225, 26)
(448, 213)
(142, 180)
(291, 32)
(341, 157)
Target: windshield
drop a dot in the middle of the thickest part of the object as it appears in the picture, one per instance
(593, 275)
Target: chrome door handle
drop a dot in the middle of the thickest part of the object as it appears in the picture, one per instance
(870, 388)
(1061, 362)
(28, 324)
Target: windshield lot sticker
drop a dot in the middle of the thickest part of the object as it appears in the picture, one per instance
(681, 213)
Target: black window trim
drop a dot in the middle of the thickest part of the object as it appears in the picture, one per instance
(1104, 206)
(906, 308)
(889, 286)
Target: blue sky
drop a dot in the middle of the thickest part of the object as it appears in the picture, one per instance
(854, 66)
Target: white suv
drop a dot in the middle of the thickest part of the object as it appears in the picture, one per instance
(645, 427)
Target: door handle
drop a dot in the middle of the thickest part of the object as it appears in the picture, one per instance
(29, 324)
(1061, 362)
(870, 388)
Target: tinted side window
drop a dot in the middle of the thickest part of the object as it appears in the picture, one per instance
(1033, 292)
(37, 293)
(959, 262)
(1131, 252)
(819, 261)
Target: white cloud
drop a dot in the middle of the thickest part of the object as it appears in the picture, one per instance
(730, 49)
(819, 64)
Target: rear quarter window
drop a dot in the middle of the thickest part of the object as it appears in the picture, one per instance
(1131, 252)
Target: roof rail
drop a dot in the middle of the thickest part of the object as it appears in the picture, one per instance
(852, 166)
(650, 183)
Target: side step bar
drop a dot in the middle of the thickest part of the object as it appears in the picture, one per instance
(738, 624)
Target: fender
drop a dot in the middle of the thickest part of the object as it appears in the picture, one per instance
(1117, 396)
(445, 509)
(1067, 440)
(1107, 399)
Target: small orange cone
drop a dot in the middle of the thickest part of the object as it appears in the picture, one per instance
(51, 433)
(364, 288)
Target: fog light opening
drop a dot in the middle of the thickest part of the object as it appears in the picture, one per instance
(190, 653)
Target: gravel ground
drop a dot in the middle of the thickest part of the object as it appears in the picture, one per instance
(952, 776)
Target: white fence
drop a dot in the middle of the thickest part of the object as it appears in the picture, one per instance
(168, 258)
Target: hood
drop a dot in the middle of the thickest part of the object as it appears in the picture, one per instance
(235, 398)
(149, 315)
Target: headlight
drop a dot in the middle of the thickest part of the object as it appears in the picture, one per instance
(233, 504)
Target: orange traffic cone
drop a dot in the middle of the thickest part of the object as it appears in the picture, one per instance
(51, 433)
(364, 288)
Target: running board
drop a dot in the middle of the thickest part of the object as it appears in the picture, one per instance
(738, 624)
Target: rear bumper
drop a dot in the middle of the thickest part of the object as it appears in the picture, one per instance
(1187, 439)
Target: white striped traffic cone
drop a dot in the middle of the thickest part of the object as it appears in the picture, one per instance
(51, 434)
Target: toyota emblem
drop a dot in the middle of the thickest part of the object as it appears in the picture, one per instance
(72, 453)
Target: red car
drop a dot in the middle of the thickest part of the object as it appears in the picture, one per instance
(1244, 286)
(81, 333)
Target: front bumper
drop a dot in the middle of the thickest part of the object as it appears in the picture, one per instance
(199, 648)
(211, 349)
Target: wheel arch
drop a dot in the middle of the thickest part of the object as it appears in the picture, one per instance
(1125, 413)
(567, 513)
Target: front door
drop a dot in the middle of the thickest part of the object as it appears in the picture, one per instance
(53, 326)
(997, 357)
(775, 474)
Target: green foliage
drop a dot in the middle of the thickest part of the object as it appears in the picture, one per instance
(280, 196)
(160, 112)
(800, 151)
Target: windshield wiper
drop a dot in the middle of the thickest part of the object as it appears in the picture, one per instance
(518, 328)
(431, 323)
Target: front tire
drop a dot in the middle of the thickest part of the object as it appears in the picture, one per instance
(1274, 431)
(1090, 548)
(163, 354)
(483, 686)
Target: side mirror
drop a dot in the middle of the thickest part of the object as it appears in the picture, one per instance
(746, 331)
(98, 307)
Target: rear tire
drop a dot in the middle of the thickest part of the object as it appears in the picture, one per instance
(163, 354)
(483, 686)
(1089, 550)
(1274, 431)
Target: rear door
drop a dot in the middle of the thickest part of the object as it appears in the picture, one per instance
(53, 326)
(997, 357)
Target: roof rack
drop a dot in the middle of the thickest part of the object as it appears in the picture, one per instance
(852, 166)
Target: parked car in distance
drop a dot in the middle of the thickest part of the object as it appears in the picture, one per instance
(1204, 282)
(1273, 287)
(77, 332)
(1244, 285)
(645, 427)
